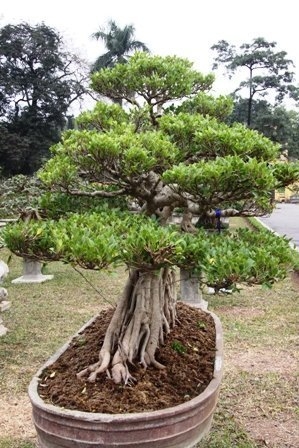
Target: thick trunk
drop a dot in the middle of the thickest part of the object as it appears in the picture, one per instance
(250, 100)
(144, 315)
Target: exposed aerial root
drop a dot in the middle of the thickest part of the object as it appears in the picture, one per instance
(144, 315)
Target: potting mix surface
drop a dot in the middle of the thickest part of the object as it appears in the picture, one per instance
(188, 356)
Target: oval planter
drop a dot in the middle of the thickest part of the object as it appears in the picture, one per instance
(180, 426)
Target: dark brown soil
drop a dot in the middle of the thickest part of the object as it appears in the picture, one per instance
(188, 355)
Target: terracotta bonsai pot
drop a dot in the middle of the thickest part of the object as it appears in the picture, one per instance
(180, 426)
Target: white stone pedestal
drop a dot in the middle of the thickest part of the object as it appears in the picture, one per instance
(4, 270)
(4, 305)
(32, 273)
(190, 290)
(3, 329)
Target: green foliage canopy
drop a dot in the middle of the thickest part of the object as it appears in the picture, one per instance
(159, 155)
(107, 238)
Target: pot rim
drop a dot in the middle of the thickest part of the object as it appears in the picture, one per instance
(147, 415)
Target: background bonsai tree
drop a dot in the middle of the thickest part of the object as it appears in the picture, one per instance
(167, 150)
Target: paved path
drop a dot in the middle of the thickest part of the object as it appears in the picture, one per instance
(285, 221)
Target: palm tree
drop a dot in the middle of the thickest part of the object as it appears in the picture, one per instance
(119, 42)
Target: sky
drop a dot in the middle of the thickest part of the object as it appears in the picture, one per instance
(185, 28)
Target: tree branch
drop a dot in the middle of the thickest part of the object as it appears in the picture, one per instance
(101, 193)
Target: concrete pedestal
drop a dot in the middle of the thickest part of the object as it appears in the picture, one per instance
(190, 290)
(32, 273)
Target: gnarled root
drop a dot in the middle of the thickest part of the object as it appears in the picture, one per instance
(144, 314)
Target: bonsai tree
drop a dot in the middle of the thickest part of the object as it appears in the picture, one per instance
(17, 193)
(167, 151)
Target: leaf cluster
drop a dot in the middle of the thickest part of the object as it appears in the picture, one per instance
(223, 181)
(207, 105)
(207, 138)
(156, 80)
(107, 238)
(244, 257)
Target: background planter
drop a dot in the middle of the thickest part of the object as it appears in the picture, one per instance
(180, 426)
(32, 273)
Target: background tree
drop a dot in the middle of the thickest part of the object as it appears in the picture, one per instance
(269, 71)
(160, 160)
(39, 81)
(120, 43)
(277, 123)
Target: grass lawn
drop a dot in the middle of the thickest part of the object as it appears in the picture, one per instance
(257, 406)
